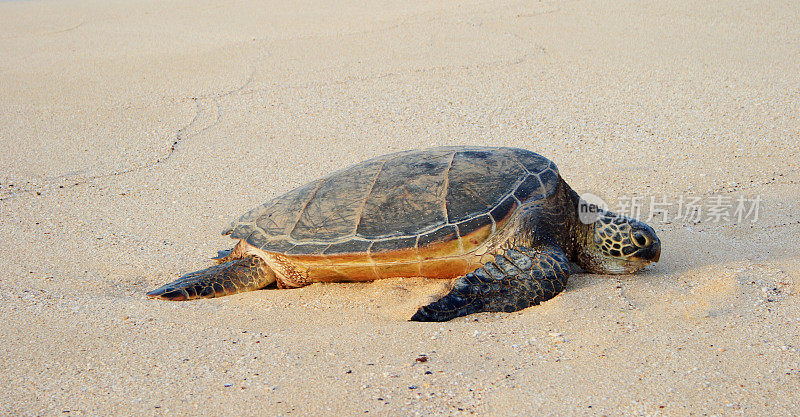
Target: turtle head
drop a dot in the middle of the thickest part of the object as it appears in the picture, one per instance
(617, 244)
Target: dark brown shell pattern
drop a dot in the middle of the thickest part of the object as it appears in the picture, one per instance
(399, 201)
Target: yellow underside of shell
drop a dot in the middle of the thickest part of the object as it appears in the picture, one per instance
(443, 260)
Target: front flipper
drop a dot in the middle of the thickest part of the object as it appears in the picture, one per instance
(520, 278)
(239, 275)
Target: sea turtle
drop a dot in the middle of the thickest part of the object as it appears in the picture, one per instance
(500, 220)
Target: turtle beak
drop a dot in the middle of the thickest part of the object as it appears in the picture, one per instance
(650, 253)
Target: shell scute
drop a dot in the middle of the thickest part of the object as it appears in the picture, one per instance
(334, 209)
(469, 226)
(279, 217)
(531, 186)
(533, 162)
(502, 210)
(478, 181)
(349, 246)
(277, 246)
(407, 195)
(442, 234)
(393, 244)
(308, 249)
(549, 178)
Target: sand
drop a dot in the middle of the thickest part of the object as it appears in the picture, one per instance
(131, 133)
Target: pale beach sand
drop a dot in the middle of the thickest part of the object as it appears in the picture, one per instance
(132, 133)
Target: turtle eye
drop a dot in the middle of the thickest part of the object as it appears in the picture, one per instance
(640, 238)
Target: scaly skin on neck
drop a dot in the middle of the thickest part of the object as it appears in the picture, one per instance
(579, 234)
(555, 221)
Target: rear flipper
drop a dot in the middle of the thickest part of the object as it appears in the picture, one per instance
(520, 278)
(239, 275)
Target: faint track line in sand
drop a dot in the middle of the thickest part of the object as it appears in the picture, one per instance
(187, 131)
(67, 181)
(202, 109)
(39, 35)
